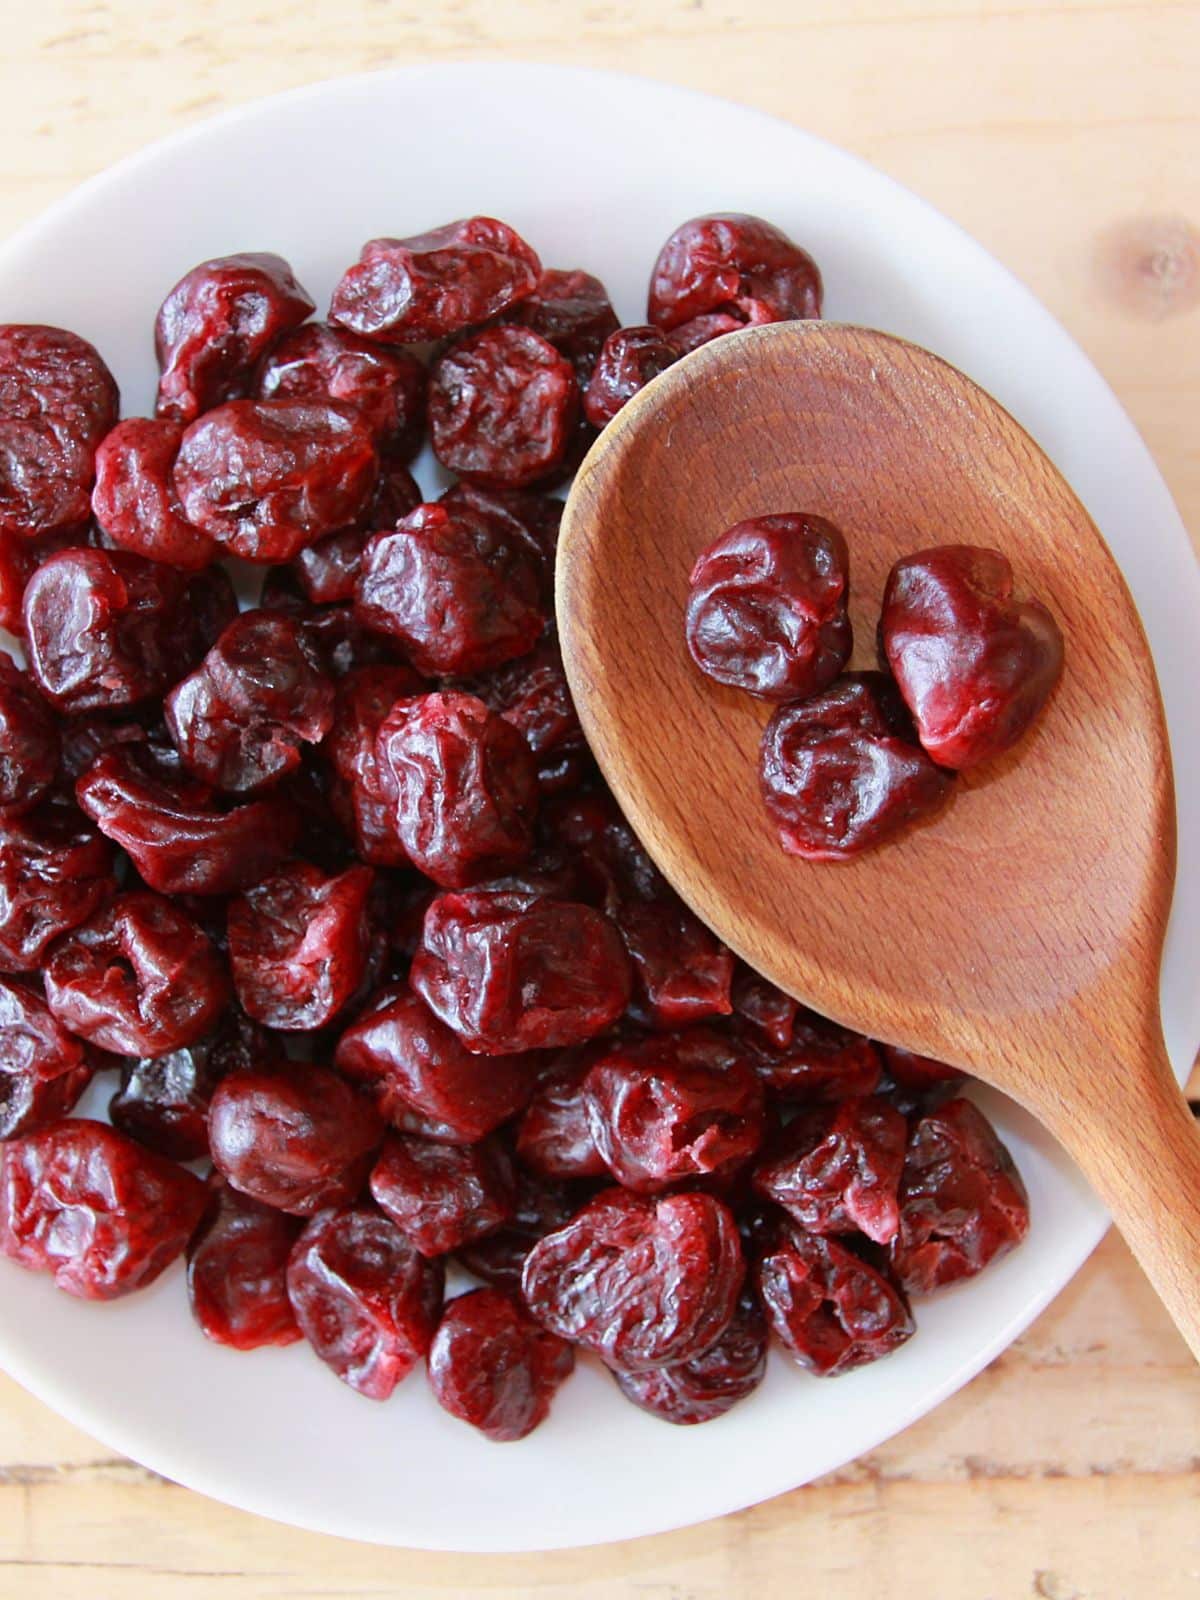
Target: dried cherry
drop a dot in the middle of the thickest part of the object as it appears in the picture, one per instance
(169, 826)
(237, 1272)
(265, 478)
(840, 773)
(57, 401)
(770, 1012)
(405, 291)
(708, 1385)
(571, 311)
(493, 1366)
(55, 871)
(521, 516)
(681, 969)
(422, 1076)
(29, 742)
(367, 1301)
(443, 1196)
(134, 499)
(293, 1135)
(541, 1208)
(820, 1062)
(503, 405)
(826, 1306)
(43, 1068)
(962, 1202)
(627, 362)
(299, 943)
(974, 664)
(241, 720)
(163, 1100)
(767, 608)
(513, 972)
(532, 693)
(216, 323)
(836, 1169)
(735, 264)
(554, 1135)
(102, 1214)
(461, 786)
(456, 591)
(322, 363)
(916, 1073)
(138, 978)
(643, 1282)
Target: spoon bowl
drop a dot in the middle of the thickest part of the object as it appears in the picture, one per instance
(1017, 935)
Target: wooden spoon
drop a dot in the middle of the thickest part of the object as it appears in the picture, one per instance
(1019, 934)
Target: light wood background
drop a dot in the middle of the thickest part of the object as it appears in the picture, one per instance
(1065, 135)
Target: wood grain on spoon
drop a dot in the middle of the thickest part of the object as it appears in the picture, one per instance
(1019, 933)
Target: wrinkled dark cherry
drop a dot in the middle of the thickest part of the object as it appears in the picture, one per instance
(673, 1109)
(461, 784)
(55, 870)
(554, 1135)
(175, 835)
(534, 696)
(503, 405)
(735, 264)
(493, 1366)
(103, 628)
(420, 1072)
(43, 1068)
(962, 1202)
(836, 1169)
(216, 323)
(975, 665)
(441, 1195)
(453, 588)
(367, 1301)
(163, 1100)
(820, 1062)
(134, 499)
(590, 827)
(320, 362)
(138, 978)
(541, 1208)
(85, 739)
(57, 401)
(841, 773)
(404, 291)
(264, 478)
(628, 360)
(334, 633)
(513, 972)
(237, 1272)
(521, 516)
(571, 311)
(294, 1136)
(29, 742)
(298, 944)
(102, 1214)
(767, 608)
(917, 1073)
(682, 970)
(711, 1384)
(363, 699)
(826, 1306)
(643, 1282)
(240, 721)
(770, 1012)
(328, 571)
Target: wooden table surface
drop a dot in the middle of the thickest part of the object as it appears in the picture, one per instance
(1064, 135)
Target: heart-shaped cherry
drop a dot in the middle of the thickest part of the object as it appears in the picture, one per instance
(974, 664)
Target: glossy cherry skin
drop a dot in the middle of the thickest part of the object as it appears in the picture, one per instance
(839, 774)
(767, 608)
(364, 1297)
(237, 1272)
(102, 1214)
(443, 1196)
(294, 1136)
(708, 1385)
(732, 263)
(404, 291)
(975, 664)
(43, 1068)
(134, 499)
(836, 1169)
(493, 1366)
(644, 1282)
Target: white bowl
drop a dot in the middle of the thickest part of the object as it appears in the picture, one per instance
(595, 170)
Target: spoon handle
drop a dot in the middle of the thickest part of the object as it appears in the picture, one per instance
(1140, 1149)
